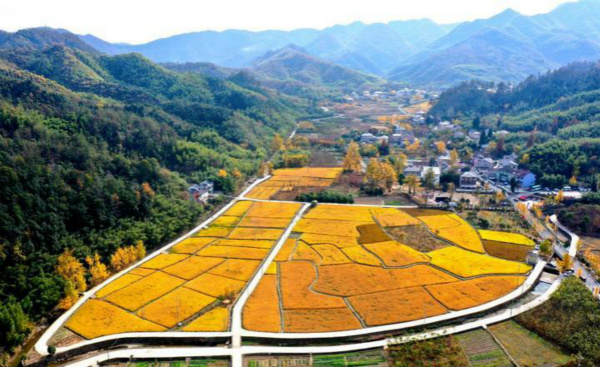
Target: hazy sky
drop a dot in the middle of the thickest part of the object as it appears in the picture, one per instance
(138, 21)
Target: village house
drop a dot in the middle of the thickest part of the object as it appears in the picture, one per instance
(468, 181)
(484, 163)
(201, 192)
(436, 173)
(474, 135)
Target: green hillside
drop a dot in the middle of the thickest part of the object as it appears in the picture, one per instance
(97, 152)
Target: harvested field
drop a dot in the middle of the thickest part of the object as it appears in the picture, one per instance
(353, 279)
(416, 237)
(144, 291)
(192, 267)
(296, 278)
(416, 212)
(371, 233)
(506, 251)
(192, 245)
(216, 285)
(482, 350)
(121, 282)
(97, 318)
(236, 269)
(400, 306)
(261, 311)
(443, 351)
(331, 255)
(527, 348)
(255, 234)
(453, 228)
(474, 292)
(232, 252)
(163, 260)
(175, 307)
(316, 320)
(396, 254)
(517, 239)
(214, 320)
(468, 264)
(360, 255)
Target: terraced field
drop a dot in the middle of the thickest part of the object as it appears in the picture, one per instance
(287, 183)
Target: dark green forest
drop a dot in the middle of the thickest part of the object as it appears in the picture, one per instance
(96, 152)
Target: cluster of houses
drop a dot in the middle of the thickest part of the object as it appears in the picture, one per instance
(400, 137)
(407, 95)
(503, 170)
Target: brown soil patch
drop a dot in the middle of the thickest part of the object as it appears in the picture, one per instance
(371, 233)
(416, 237)
(508, 251)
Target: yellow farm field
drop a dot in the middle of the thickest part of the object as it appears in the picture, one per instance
(262, 193)
(239, 208)
(396, 306)
(270, 209)
(396, 254)
(236, 269)
(255, 234)
(286, 250)
(145, 290)
(213, 231)
(388, 217)
(353, 279)
(331, 255)
(121, 282)
(507, 237)
(175, 307)
(296, 279)
(338, 241)
(192, 245)
(317, 172)
(192, 267)
(264, 244)
(214, 320)
(232, 252)
(474, 292)
(216, 285)
(261, 311)
(97, 318)
(258, 222)
(360, 255)
(329, 227)
(340, 212)
(468, 264)
(318, 320)
(163, 260)
(225, 221)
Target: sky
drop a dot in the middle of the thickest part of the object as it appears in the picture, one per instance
(139, 21)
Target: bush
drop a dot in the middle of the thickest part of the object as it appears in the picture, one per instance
(326, 197)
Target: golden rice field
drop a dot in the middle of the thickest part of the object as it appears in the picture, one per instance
(341, 269)
(515, 238)
(182, 289)
(288, 179)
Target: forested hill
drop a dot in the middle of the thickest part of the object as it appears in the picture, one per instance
(553, 120)
(96, 153)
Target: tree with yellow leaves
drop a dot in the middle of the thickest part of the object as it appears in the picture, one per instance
(412, 182)
(414, 147)
(98, 271)
(454, 158)
(73, 273)
(222, 173)
(352, 160)
(560, 197)
(289, 144)
(524, 159)
(276, 143)
(387, 176)
(270, 168)
(400, 162)
(565, 264)
(573, 181)
(140, 250)
(262, 170)
(441, 147)
(123, 257)
(500, 196)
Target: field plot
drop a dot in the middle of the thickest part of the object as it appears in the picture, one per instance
(482, 350)
(526, 347)
(287, 183)
(342, 269)
(443, 351)
(184, 289)
(368, 358)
